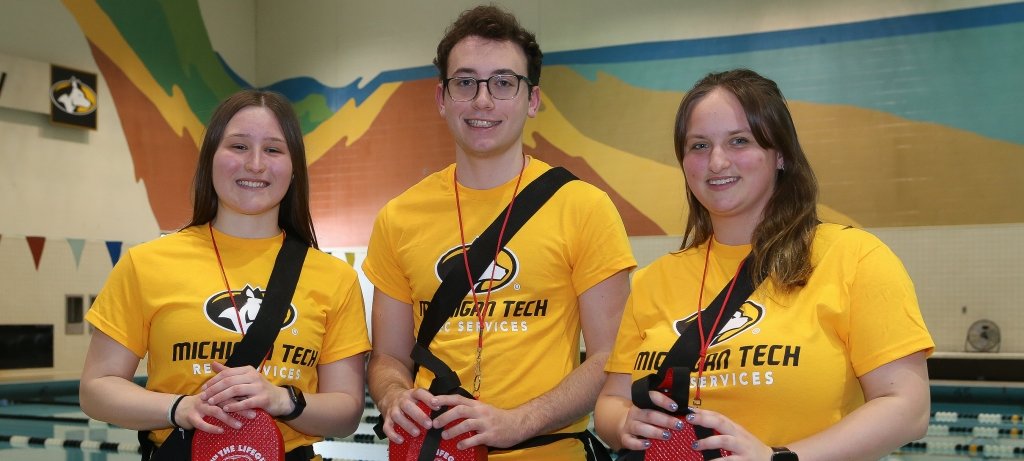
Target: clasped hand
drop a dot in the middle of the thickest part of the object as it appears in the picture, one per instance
(492, 426)
(237, 391)
(642, 425)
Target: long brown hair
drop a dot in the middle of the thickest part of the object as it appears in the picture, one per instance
(294, 216)
(782, 239)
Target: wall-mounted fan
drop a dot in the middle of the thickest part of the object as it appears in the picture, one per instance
(982, 336)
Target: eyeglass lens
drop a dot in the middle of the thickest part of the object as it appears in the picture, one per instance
(500, 87)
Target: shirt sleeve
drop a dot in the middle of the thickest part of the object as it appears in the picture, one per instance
(346, 333)
(381, 265)
(602, 248)
(119, 308)
(885, 319)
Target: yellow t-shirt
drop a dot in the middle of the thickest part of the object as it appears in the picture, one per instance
(797, 354)
(166, 298)
(532, 329)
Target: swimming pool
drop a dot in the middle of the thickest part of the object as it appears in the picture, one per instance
(42, 422)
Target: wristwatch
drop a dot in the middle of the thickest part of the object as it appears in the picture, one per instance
(783, 454)
(300, 403)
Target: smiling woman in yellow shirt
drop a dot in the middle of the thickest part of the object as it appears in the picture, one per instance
(826, 359)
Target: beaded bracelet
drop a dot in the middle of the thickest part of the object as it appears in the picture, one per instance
(172, 409)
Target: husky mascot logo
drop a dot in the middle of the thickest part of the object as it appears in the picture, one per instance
(221, 311)
(498, 274)
(748, 315)
(73, 97)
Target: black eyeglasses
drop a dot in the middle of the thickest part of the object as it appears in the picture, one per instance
(501, 86)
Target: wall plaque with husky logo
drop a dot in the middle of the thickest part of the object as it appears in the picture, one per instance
(72, 97)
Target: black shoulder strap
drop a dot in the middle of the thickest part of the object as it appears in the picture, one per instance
(260, 336)
(254, 345)
(673, 376)
(455, 284)
(686, 349)
(674, 373)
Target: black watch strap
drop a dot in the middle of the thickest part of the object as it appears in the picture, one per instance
(298, 399)
(783, 454)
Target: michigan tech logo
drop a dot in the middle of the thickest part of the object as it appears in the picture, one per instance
(748, 315)
(502, 272)
(73, 97)
(221, 312)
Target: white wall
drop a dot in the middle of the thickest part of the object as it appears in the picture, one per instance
(231, 25)
(64, 182)
(59, 181)
(963, 274)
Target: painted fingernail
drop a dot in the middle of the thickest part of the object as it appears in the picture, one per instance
(679, 425)
(673, 407)
(692, 410)
(694, 446)
(690, 417)
(665, 435)
(647, 444)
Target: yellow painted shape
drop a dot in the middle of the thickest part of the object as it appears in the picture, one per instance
(828, 214)
(350, 122)
(632, 118)
(653, 188)
(101, 31)
(656, 189)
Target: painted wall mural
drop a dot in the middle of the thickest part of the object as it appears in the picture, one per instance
(908, 121)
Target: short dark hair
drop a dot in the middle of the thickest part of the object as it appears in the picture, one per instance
(782, 239)
(493, 23)
(294, 216)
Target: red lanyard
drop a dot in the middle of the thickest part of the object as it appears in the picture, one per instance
(227, 286)
(481, 314)
(705, 342)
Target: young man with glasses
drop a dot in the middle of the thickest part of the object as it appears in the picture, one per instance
(565, 271)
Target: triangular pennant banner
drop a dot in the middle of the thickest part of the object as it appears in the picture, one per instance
(114, 248)
(350, 258)
(36, 244)
(76, 249)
